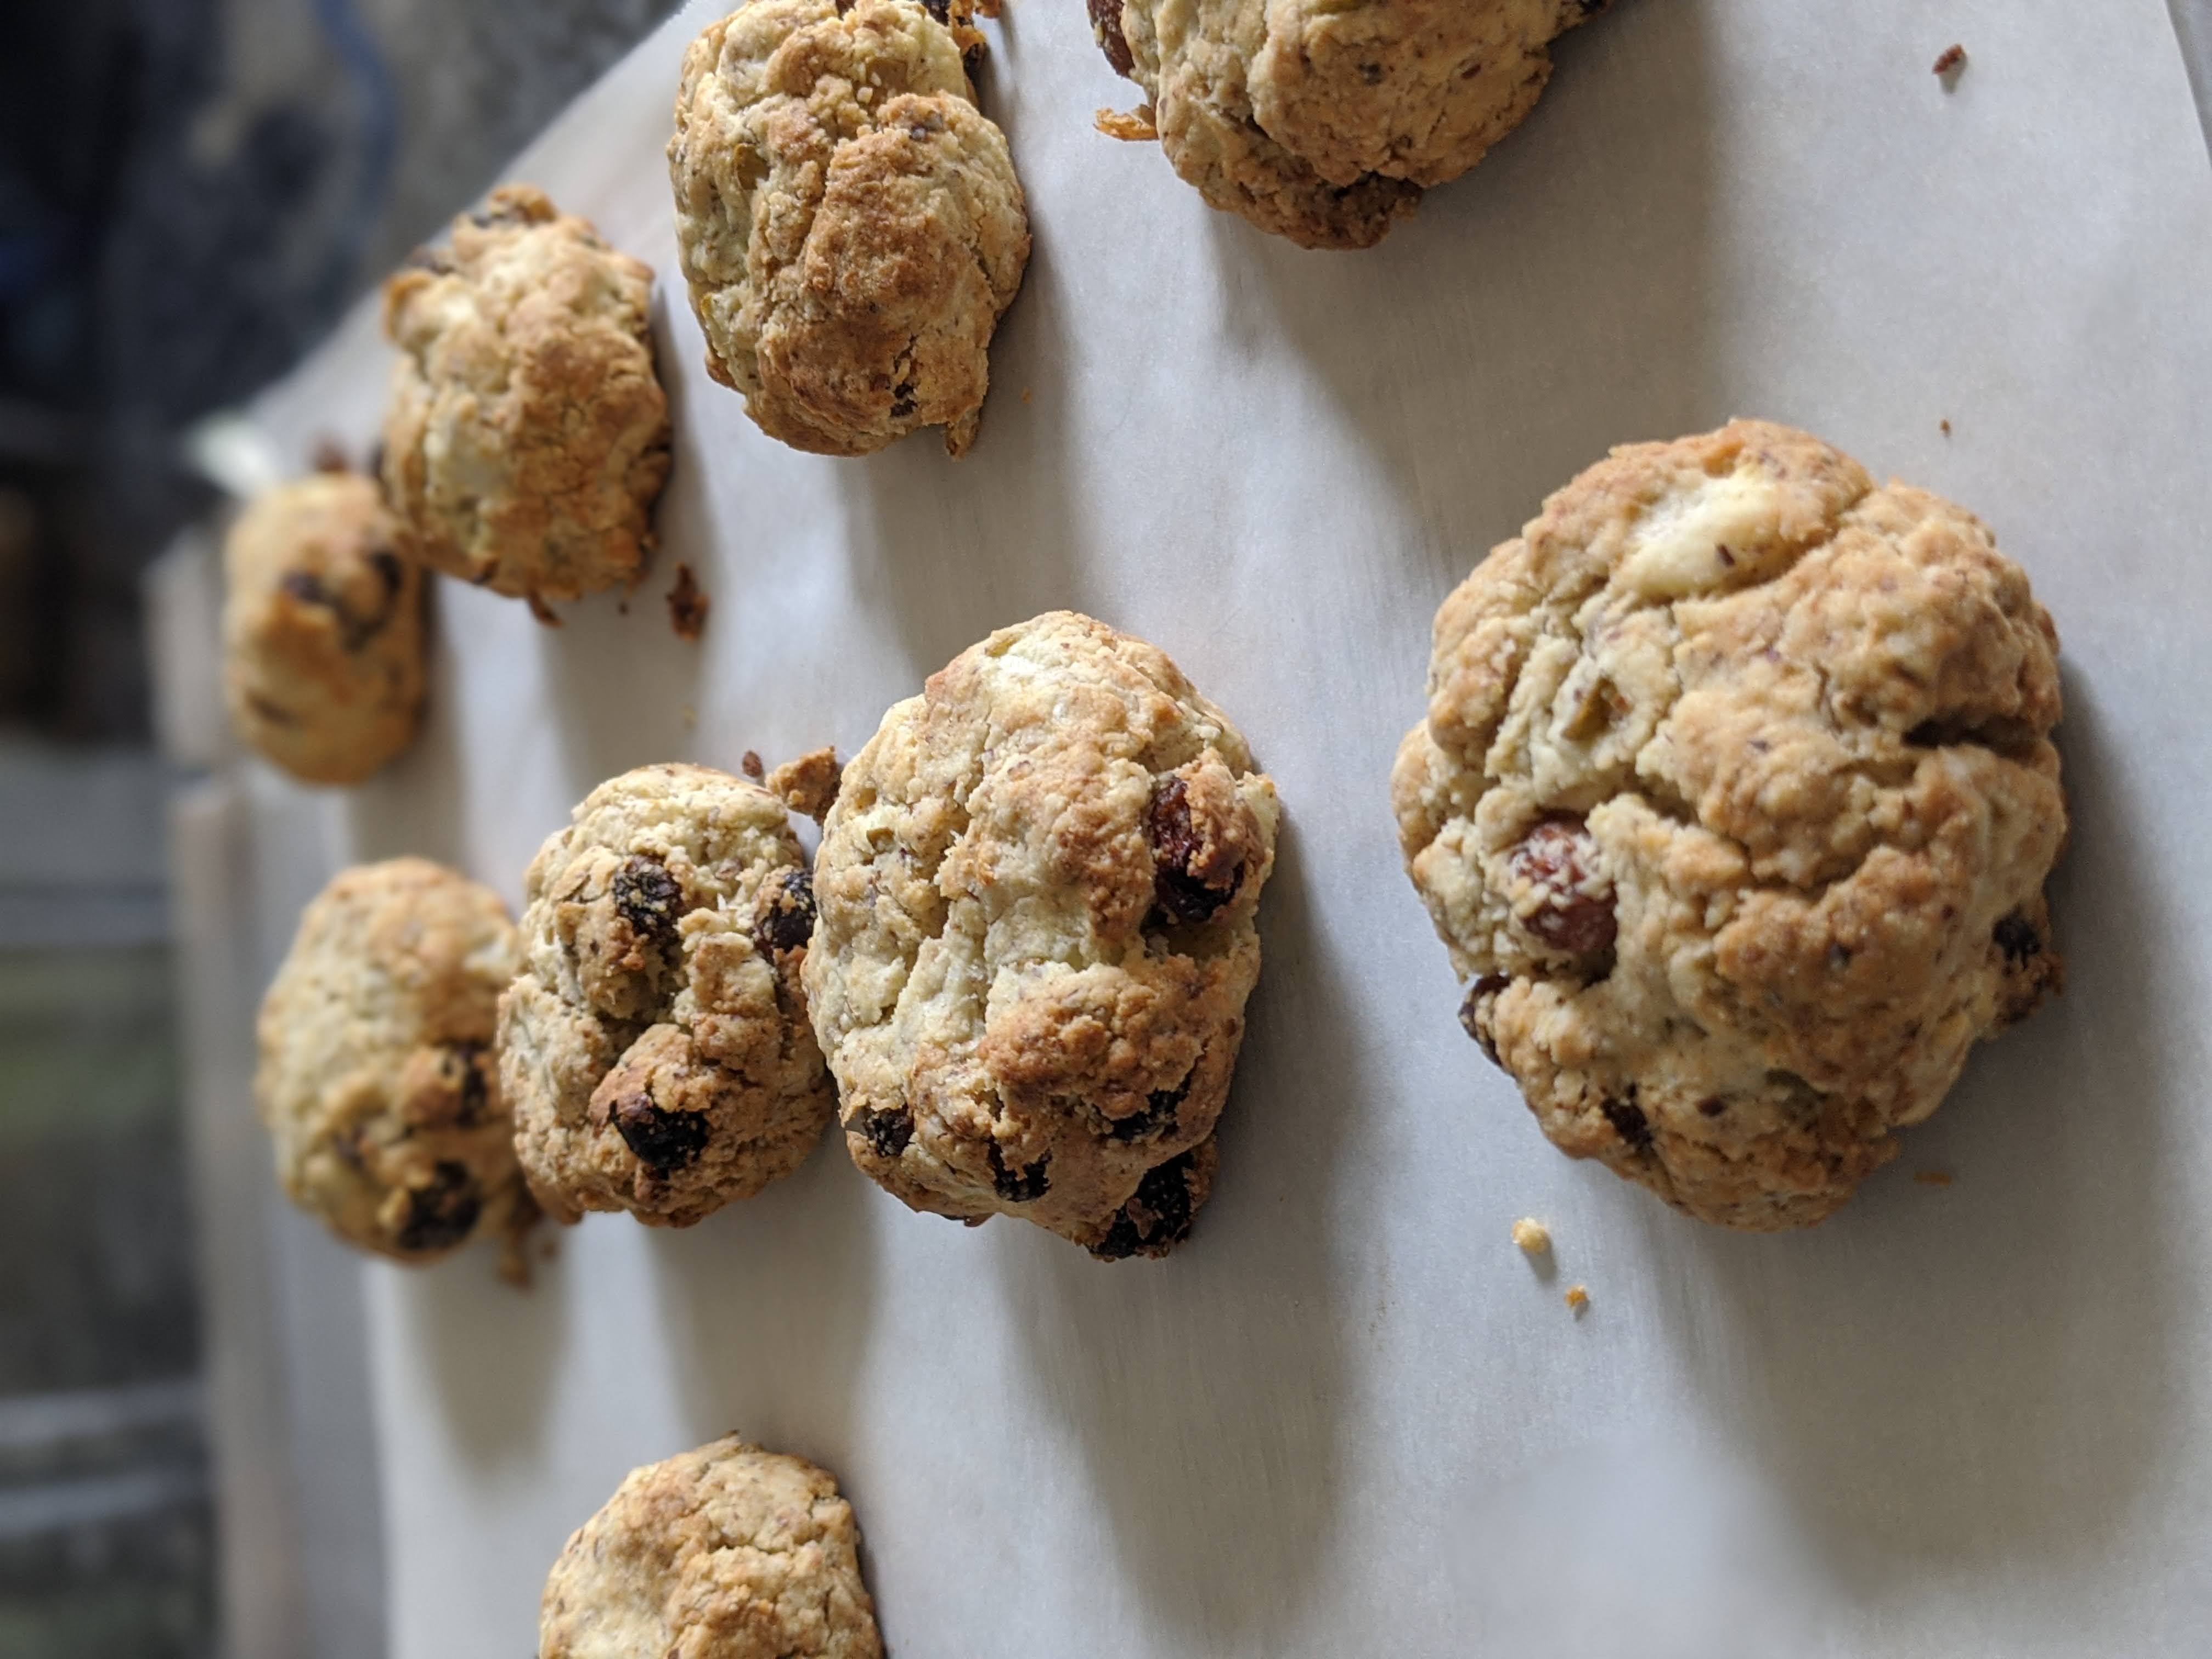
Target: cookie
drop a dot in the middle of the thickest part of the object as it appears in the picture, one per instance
(322, 627)
(1037, 889)
(527, 437)
(656, 1045)
(849, 224)
(1323, 121)
(726, 1553)
(1735, 802)
(376, 1078)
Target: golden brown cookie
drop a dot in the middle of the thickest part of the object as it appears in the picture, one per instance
(376, 1080)
(726, 1553)
(528, 436)
(1037, 888)
(1324, 120)
(322, 625)
(1735, 801)
(656, 1045)
(849, 224)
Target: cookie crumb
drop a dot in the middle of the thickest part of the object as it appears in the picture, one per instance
(1136, 126)
(808, 784)
(690, 716)
(1531, 1237)
(1578, 1300)
(1933, 1177)
(1025, 394)
(751, 767)
(1950, 65)
(1946, 425)
(542, 610)
(330, 456)
(687, 605)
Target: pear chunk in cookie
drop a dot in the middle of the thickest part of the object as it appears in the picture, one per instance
(1324, 120)
(1734, 804)
(1037, 892)
(849, 223)
(376, 1079)
(656, 1045)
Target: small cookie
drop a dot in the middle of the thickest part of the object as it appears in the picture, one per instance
(1038, 890)
(849, 224)
(1324, 121)
(376, 1078)
(726, 1553)
(322, 627)
(528, 436)
(656, 1045)
(1735, 800)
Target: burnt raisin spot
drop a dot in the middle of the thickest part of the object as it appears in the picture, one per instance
(664, 1141)
(783, 916)
(435, 260)
(1106, 24)
(1629, 1123)
(304, 586)
(885, 1132)
(1023, 1184)
(385, 563)
(2018, 938)
(442, 1210)
(1157, 1217)
(1176, 842)
(474, 1088)
(902, 400)
(1470, 1012)
(1712, 1106)
(649, 899)
(1558, 858)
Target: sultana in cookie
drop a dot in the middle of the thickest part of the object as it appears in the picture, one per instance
(726, 1553)
(1735, 801)
(322, 623)
(528, 436)
(656, 1045)
(1038, 890)
(849, 223)
(1325, 120)
(376, 1078)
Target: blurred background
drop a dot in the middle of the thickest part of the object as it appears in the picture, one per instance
(191, 192)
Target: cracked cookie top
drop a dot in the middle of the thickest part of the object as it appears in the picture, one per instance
(849, 224)
(1324, 120)
(1735, 802)
(655, 1044)
(1038, 888)
(528, 436)
(729, 1551)
(322, 622)
(376, 1079)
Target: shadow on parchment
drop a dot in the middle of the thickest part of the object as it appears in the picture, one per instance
(414, 805)
(1954, 1377)
(768, 1302)
(1552, 302)
(1207, 1390)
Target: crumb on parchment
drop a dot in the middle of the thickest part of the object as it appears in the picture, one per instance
(1951, 63)
(1577, 1299)
(1933, 1177)
(751, 767)
(687, 605)
(1531, 1237)
(1135, 126)
(808, 784)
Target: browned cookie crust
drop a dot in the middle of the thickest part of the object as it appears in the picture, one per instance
(850, 225)
(528, 436)
(1735, 801)
(376, 1079)
(1037, 889)
(656, 1045)
(1324, 120)
(726, 1553)
(322, 629)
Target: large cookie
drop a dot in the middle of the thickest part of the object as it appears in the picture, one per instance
(322, 627)
(376, 1079)
(655, 1046)
(1735, 801)
(726, 1553)
(849, 224)
(1324, 120)
(1037, 892)
(528, 436)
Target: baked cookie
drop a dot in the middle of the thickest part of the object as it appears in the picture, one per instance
(849, 224)
(528, 436)
(1735, 802)
(322, 627)
(1321, 120)
(376, 1078)
(1037, 887)
(726, 1553)
(656, 1045)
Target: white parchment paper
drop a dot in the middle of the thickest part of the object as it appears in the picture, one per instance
(1348, 1419)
